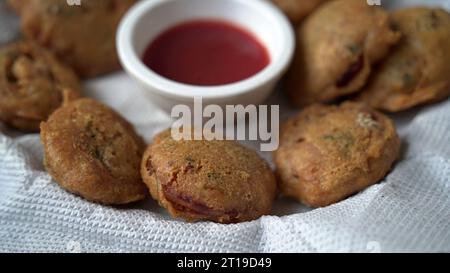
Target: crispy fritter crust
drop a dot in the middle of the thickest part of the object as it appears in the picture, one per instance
(82, 36)
(32, 85)
(418, 70)
(93, 152)
(336, 48)
(219, 181)
(328, 153)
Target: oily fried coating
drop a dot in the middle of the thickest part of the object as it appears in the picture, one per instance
(418, 69)
(328, 153)
(32, 85)
(91, 151)
(336, 48)
(215, 180)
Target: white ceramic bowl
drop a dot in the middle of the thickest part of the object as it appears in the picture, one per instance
(149, 18)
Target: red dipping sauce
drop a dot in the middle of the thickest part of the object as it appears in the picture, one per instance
(206, 53)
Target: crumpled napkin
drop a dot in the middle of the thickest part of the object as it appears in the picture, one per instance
(407, 211)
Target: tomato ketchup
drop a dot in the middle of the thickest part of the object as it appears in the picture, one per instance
(206, 53)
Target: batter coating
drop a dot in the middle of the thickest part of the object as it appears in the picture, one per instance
(83, 36)
(296, 10)
(93, 152)
(219, 181)
(336, 48)
(418, 70)
(32, 85)
(328, 153)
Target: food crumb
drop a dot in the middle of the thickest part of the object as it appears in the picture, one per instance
(366, 121)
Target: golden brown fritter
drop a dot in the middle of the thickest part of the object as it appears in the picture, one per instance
(336, 48)
(92, 151)
(83, 36)
(418, 70)
(32, 85)
(296, 10)
(219, 181)
(328, 153)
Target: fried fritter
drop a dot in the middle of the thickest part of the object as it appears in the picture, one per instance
(32, 85)
(418, 70)
(91, 151)
(336, 48)
(16, 5)
(296, 10)
(83, 35)
(215, 180)
(328, 153)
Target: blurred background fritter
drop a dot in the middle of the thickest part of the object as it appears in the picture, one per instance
(33, 83)
(83, 35)
(296, 10)
(336, 48)
(418, 69)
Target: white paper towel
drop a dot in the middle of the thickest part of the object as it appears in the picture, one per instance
(408, 211)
